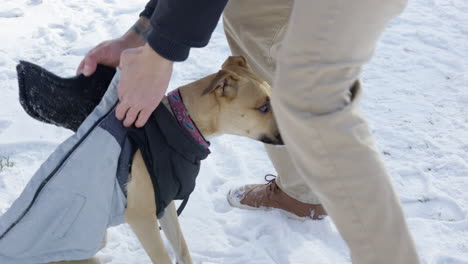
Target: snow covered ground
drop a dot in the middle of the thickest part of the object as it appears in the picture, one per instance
(416, 99)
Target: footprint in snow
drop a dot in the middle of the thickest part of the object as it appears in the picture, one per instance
(222, 207)
(4, 125)
(11, 13)
(441, 209)
(449, 260)
(65, 31)
(34, 2)
(102, 12)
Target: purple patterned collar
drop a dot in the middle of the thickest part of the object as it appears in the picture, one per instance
(184, 119)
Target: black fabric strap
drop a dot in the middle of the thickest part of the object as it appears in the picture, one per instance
(182, 205)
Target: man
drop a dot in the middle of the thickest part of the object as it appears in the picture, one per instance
(311, 51)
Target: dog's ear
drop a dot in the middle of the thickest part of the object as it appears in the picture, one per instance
(224, 84)
(235, 61)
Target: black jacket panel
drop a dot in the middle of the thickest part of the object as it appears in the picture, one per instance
(172, 157)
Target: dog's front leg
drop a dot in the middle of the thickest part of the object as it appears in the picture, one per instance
(141, 212)
(171, 227)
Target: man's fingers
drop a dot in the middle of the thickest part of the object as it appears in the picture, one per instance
(90, 64)
(89, 58)
(79, 70)
(121, 110)
(143, 117)
(131, 116)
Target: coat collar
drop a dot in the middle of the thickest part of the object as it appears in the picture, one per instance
(184, 119)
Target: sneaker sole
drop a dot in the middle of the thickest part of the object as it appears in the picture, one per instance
(236, 203)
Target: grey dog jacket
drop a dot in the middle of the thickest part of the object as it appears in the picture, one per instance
(79, 191)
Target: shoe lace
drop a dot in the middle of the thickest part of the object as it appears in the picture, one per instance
(271, 182)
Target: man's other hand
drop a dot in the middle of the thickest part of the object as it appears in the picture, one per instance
(109, 51)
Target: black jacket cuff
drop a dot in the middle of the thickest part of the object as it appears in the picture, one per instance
(148, 12)
(167, 48)
(149, 9)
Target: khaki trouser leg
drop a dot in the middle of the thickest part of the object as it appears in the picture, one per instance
(255, 30)
(327, 43)
(315, 96)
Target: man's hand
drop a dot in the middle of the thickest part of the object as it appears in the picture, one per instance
(143, 82)
(108, 52)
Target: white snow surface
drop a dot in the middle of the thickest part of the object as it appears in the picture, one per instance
(416, 100)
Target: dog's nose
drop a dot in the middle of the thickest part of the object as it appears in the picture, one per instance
(279, 139)
(276, 141)
(266, 140)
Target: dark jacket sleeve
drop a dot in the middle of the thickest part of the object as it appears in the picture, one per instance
(149, 9)
(179, 25)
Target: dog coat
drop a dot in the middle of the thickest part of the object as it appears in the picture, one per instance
(79, 191)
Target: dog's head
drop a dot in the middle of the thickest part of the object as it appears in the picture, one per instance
(244, 102)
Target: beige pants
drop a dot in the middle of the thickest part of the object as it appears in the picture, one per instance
(314, 74)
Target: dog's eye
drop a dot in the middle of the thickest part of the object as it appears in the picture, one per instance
(264, 108)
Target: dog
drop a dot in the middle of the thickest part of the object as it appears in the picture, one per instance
(233, 101)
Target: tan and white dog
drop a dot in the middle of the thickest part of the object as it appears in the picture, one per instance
(233, 101)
